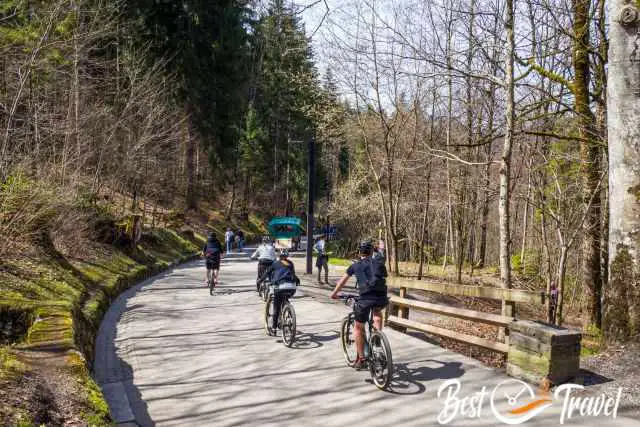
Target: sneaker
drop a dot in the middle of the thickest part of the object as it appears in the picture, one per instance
(359, 364)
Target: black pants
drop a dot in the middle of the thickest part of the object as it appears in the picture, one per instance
(262, 267)
(323, 263)
(278, 298)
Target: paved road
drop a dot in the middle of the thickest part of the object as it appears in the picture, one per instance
(168, 354)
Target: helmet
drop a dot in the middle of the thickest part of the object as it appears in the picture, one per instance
(266, 239)
(366, 247)
(284, 253)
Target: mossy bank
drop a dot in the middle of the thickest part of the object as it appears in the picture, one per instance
(51, 307)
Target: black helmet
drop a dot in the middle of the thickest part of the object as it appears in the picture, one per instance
(284, 253)
(366, 247)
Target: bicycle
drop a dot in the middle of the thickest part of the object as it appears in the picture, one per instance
(287, 318)
(377, 348)
(263, 290)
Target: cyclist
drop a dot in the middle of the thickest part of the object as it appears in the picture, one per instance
(283, 277)
(370, 275)
(212, 251)
(266, 255)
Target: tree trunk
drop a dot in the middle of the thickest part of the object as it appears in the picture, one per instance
(190, 168)
(562, 269)
(589, 156)
(423, 228)
(622, 298)
(508, 308)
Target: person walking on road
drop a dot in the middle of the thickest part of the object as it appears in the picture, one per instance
(322, 261)
(228, 239)
(212, 251)
(240, 239)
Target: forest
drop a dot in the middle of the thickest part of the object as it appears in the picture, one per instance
(471, 134)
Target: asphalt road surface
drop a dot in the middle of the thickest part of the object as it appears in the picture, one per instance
(169, 354)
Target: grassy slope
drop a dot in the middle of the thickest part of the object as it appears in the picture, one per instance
(67, 298)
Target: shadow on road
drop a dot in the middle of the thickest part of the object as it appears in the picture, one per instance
(310, 340)
(409, 377)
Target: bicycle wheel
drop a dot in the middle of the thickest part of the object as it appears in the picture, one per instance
(265, 290)
(211, 282)
(380, 360)
(267, 317)
(288, 317)
(347, 340)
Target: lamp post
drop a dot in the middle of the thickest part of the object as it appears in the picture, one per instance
(311, 181)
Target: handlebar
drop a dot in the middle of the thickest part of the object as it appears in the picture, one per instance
(348, 298)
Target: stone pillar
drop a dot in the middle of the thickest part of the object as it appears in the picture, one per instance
(538, 351)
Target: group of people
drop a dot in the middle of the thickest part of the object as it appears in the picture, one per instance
(231, 238)
(281, 273)
(369, 270)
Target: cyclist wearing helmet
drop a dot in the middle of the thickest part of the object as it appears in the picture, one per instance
(283, 277)
(266, 255)
(370, 275)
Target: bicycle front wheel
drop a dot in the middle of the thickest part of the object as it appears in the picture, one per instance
(288, 324)
(268, 307)
(347, 340)
(380, 360)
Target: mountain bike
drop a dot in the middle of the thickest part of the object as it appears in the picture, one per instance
(377, 350)
(287, 318)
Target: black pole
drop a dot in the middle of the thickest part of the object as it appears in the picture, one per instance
(311, 180)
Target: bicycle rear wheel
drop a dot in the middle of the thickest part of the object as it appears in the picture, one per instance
(265, 290)
(211, 285)
(347, 340)
(380, 360)
(268, 307)
(288, 324)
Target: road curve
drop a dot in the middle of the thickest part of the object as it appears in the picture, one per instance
(168, 354)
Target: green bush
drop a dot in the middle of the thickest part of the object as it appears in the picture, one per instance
(531, 264)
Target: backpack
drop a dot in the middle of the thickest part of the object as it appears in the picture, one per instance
(283, 273)
(213, 249)
(374, 272)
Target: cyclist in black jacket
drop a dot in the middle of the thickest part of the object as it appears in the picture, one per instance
(371, 274)
(212, 251)
(283, 277)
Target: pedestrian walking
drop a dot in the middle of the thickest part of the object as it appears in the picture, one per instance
(228, 239)
(322, 261)
(240, 240)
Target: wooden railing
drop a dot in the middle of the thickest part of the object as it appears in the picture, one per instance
(400, 306)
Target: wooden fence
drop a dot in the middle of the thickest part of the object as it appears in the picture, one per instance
(400, 306)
